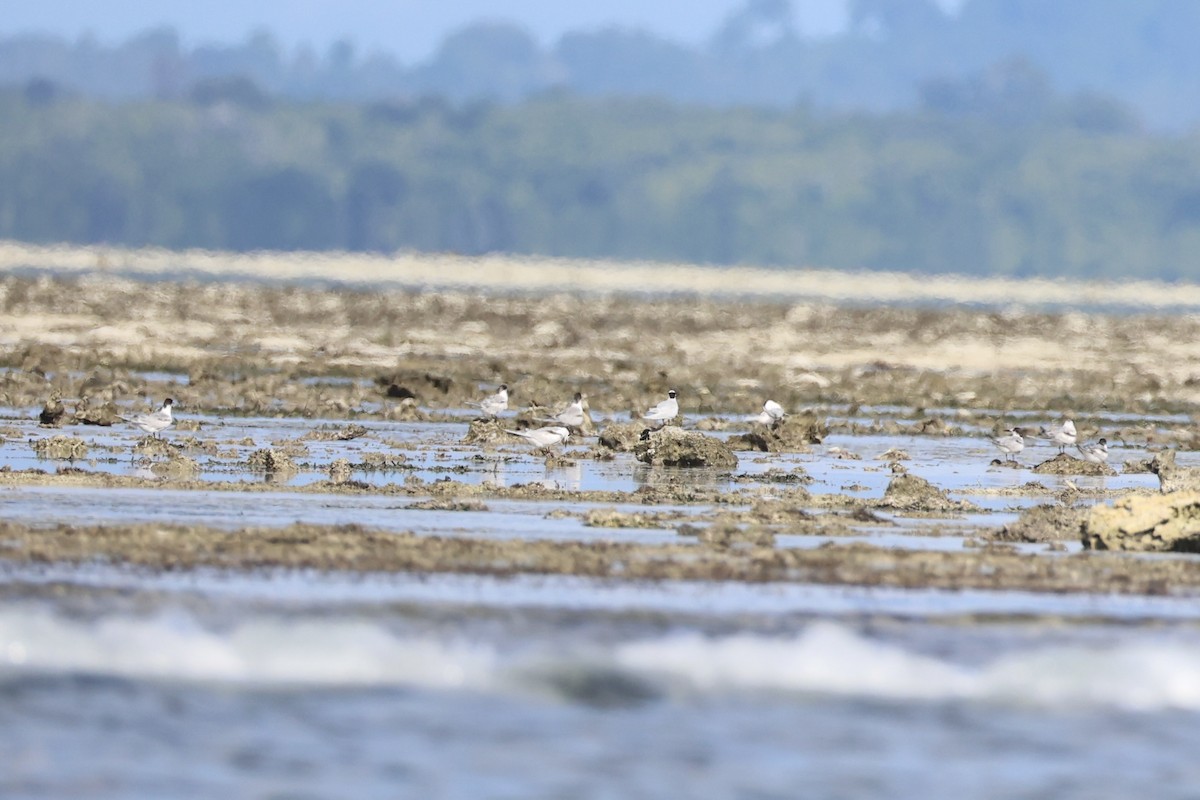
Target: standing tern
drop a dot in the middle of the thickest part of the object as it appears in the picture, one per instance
(158, 421)
(544, 437)
(1010, 443)
(665, 411)
(493, 404)
(1061, 435)
(571, 416)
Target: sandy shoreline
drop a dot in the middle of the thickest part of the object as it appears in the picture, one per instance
(505, 273)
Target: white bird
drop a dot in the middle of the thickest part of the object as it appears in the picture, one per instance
(771, 414)
(158, 421)
(1010, 443)
(1061, 435)
(493, 404)
(665, 411)
(571, 416)
(544, 437)
(1095, 453)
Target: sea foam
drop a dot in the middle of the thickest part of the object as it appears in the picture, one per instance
(1134, 670)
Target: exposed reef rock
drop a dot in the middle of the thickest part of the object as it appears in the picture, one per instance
(62, 447)
(104, 414)
(270, 460)
(1045, 523)
(675, 447)
(1063, 464)
(486, 431)
(622, 436)
(909, 492)
(53, 411)
(1171, 477)
(794, 433)
(1146, 522)
(178, 467)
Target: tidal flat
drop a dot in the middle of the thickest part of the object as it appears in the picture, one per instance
(329, 545)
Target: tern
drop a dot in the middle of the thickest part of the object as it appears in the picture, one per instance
(544, 437)
(1061, 435)
(493, 404)
(571, 416)
(1095, 453)
(772, 414)
(1010, 443)
(665, 411)
(158, 421)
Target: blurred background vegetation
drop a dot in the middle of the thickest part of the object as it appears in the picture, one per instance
(1016, 137)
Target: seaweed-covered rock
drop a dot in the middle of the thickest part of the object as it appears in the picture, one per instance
(339, 470)
(178, 467)
(270, 460)
(407, 410)
(381, 462)
(341, 433)
(1146, 522)
(486, 431)
(675, 447)
(154, 446)
(1045, 523)
(612, 518)
(53, 411)
(622, 436)
(1171, 477)
(104, 414)
(724, 534)
(913, 493)
(1063, 464)
(793, 433)
(68, 448)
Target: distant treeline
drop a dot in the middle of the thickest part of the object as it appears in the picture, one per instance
(1015, 181)
(1143, 52)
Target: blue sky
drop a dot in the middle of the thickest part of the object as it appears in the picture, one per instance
(409, 29)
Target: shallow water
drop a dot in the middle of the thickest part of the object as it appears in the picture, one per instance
(463, 687)
(127, 683)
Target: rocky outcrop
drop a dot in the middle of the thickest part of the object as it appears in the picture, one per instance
(1171, 477)
(675, 447)
(68, 448)
(53, 411)
(793, 433)
(909, 492)
(179, 467)
(486, 431)
(1046, 523)
(271, 461)
(1063, 464)
(1168, 522)
(622, 436)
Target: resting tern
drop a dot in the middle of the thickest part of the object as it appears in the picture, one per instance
(158, 421)
(1010, 443)
(544, 437)
(493, 404)
(772, 414)
(1095, 453)
(572, 415)
(665, 411)
(1061, 435)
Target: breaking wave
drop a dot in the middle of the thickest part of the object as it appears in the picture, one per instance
(1138, 672)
